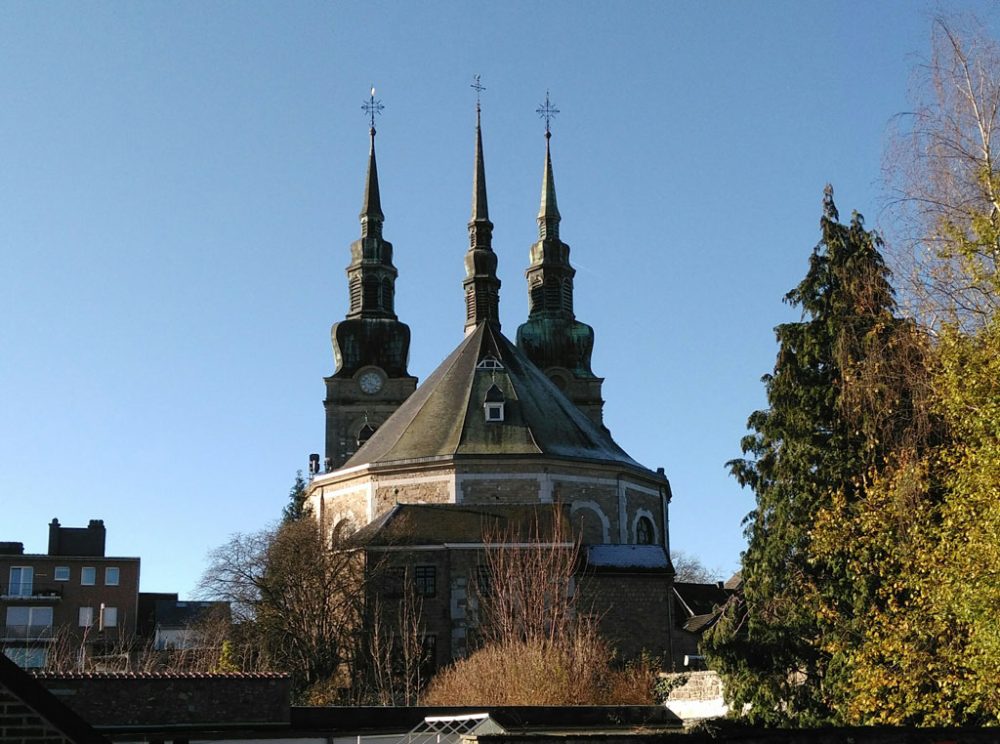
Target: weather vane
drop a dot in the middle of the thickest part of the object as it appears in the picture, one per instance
(372, 107)
(478, 87)
(548, 112)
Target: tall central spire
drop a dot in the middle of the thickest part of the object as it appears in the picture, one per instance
(482, 287)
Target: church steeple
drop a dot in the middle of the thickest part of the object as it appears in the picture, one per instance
(371, 209)
(482, 287)
(371, 346)
(553, 338)
(548, 212)
(371, 275)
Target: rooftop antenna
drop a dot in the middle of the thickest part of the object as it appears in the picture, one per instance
(372, 107)
(548, 112)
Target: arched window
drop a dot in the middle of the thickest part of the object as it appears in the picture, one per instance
(355, 293)
(386, 291)
(553, 294)
(567, 296)
(644, 531)
(371, 292)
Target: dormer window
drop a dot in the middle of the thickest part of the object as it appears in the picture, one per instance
(365, 433)
(494, 404)
(490, 363)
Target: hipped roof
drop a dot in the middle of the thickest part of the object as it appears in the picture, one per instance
(445, 416)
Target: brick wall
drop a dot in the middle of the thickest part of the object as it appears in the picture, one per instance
(146, 699)
(19, 724)
(632, 609)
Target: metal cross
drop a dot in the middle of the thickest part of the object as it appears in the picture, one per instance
(478, 87)
(372, 107)
(547, 112)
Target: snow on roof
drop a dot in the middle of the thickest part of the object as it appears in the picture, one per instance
(628, 556)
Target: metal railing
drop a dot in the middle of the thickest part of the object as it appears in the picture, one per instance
(30, 590)
(27, 633)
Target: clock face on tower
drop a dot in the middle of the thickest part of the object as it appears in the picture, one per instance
(370, 382)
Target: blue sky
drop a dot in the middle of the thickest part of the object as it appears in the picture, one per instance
(180, 183)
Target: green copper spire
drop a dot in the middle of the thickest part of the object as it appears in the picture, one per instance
(371, 207)
(552, 337)
(482, 287)
(548, 212)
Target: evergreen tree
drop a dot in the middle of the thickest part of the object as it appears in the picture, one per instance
(296, 508)
(775, 645)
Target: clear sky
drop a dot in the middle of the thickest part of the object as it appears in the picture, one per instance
(180, 183)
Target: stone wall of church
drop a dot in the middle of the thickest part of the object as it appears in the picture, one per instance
(499, 490)
(642, 503)
(603, 509)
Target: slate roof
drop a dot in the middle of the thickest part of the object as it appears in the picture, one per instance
(437, 524)
(698, 606)
(652, 558)
(445, 416)
(182, 613)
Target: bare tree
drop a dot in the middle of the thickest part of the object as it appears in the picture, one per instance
(941, 170)
(298, 594)
(530, 592)
(689, 569)
(539, 646)
(396, 654)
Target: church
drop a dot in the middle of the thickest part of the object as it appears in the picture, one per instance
(500, 427)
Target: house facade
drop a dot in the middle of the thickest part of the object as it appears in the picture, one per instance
(72, 600)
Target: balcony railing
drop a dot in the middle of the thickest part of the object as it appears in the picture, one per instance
(27, 633)
(30, 590)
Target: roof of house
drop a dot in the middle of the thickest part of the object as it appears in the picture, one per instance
(438, 524)
(698, 605)
(445, 416)
(174, 613)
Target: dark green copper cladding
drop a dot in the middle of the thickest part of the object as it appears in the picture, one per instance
(371, 334)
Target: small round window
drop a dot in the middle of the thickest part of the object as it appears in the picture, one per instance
(644, 531)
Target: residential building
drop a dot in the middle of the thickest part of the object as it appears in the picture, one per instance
(167, 623)
(72, 600)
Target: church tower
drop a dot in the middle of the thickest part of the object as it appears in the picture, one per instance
(371, 347)
(553, 338)
(482, 287)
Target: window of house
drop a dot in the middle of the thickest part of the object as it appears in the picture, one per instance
(29, 623)
(644, 531)
(110, 617)
(425, 580)
(111, 576)
(88, 576)
(86, 617)
(21, 581)
(27, 657)
(61, 573)
(494, 411)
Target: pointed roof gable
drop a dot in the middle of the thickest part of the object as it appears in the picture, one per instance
(444, 417)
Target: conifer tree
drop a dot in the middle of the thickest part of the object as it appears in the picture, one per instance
(773, 646)
(296, 508)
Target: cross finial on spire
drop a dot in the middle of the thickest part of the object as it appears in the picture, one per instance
(548, 112)
(479, 88)
(372, 107)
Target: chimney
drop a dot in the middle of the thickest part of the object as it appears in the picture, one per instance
(54, 537)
